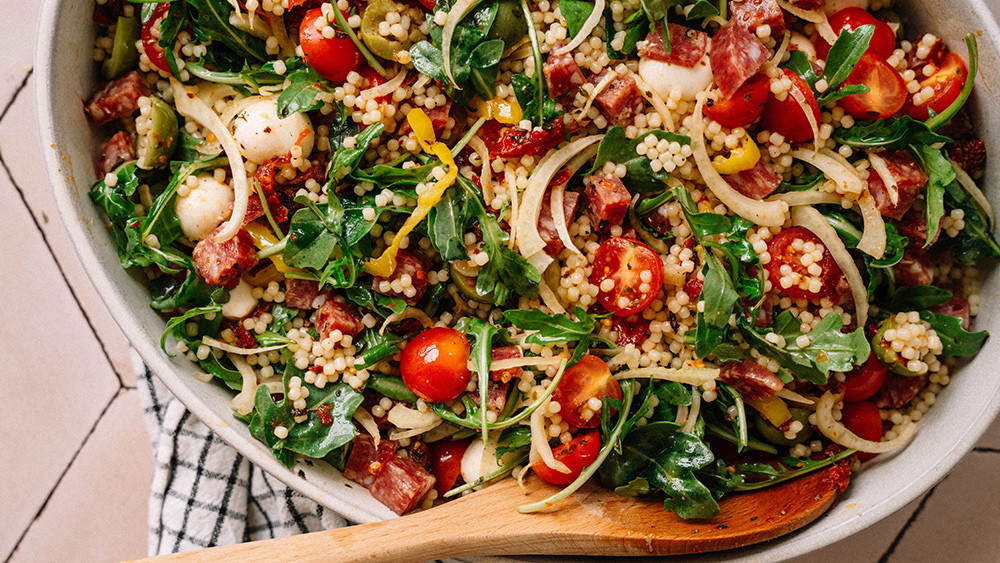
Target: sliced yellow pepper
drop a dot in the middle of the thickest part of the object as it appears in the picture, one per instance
(773, 409)
(741, 158)
(264, 238)
(508, 113)
(423, 129)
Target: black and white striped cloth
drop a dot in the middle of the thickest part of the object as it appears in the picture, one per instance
(204, 493)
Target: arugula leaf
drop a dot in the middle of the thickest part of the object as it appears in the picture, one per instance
(311, 241)
(482, 333)
(945, 116)
(575, 12)
(555, 328)
(343, 160)
(893, 133)
(799, 63)
(841, 60)
(916, 298)
(304, 92)
(375, 346)
(170, 293)
(382, 305)
(447, 222)
(976, 240)
(639, 175)
(538, 106)
(790, 468)
(939, 175)
(955, 340)
(210, 22)
(719, 297)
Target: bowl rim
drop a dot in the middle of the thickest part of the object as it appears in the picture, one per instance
(46, 105)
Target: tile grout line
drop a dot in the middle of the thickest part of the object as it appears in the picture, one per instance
(909, 522)
(45, 239)
(62, 475)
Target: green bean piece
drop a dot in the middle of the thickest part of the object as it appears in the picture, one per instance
(157, 145)
(124, 56)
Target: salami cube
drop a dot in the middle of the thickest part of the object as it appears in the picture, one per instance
(118, 98)
(915, 268)
(546, 223)
(736, 55)
(505, 353)
(562, 73)
(117, 150)
(333, 316)
(222, 263)
(401, 484)
(910, 181)
(757, 182)
(409, 280)
(751, 379)
(439, 120)
(620, 100)
(301, 294)
(365, 460)
(607, 201)
(687, 46)
(899, 390)
(752, 14)
(957, 306)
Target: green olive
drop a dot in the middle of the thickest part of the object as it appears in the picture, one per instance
(508, 25)
(157, 146)
(381, 46)
(775, 436)
(467, 286)
(886, 354)
(124, 56)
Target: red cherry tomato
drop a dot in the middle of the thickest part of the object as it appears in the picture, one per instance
(333, 58)
(624, 261)
(945, 84)
(577, 455)
(883, 41)
(632, 329)
(784, 251)
(887, 89)
(786, 116)
(590, 378)
(865, 381)
(745, 105)
(862, 418)
(435, 364)
(428, 4)
(446, 462)
(151, 44)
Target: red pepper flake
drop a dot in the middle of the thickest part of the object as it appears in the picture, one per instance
(323, 412)
(317, 369)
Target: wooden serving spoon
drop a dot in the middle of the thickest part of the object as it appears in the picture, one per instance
(592, 521)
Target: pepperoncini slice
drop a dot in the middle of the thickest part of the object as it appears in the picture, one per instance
(264, 238)
(427, 195)
(741, 158)
(508, 113)
(772, 408)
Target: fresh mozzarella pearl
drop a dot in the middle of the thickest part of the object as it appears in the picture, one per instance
(802, 43)
(479, 460)
(263, 135)
(834, 6)
(204, 208)
(686, 82)
(241, 302)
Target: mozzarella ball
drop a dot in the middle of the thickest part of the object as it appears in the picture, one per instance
(833, 6)
(686, 82)
(263, 135)
(204, 208)
(241, 302)
(479, 460)
(800, 42)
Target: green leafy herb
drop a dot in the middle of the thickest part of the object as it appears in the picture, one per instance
(482, 333)
(841, 60)
(976, 240)
(375, 346)
(939, 175)
(639, 174)
(210, 22)
(763, 475)
(936, 121)
(917, 298)
(392, 387)
(557, 328)
(955, 340)
(575, 12)
(893, 133)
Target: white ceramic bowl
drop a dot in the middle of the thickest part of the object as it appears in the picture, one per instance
(65, 76)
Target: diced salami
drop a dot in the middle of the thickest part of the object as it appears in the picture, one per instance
(910, 181)
(333, 316)
(757, 182)
(619, 100)
(117, 150)
(751, 379)
(914, 268)
(687, 46)
(505, 353)
(899, 390)
(410, 277)
(118, 98)
(365, 460)
(970, 154)
(736, 55)
(243, 337)
(401, 484)
(546, 224)
(914, 226)
(301, 294)
(222, 263)
(607, 201)
(752, 14)
(957, 306)
(521, 142)
(107, 13)
(496, 395)
(562, 73)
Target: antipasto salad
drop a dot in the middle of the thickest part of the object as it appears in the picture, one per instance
(685, 248)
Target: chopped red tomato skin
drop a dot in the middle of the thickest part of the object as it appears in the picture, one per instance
(576, 455)
(624, 262)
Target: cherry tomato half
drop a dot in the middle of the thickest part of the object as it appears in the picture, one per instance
(945, 84)
(865, 380)
(862, 418)
(151, 43)
(744, 106)
(446, 462)
(883, 41)
(435, 364)
(786, 116)
(590, 378)
(577, 455)
(626, 262)
(785, 250)
(886, 89)
(332, 57)
(632, 329)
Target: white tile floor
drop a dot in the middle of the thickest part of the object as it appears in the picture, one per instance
(75, 473)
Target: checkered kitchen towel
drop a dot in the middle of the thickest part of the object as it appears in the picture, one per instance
(204, 493)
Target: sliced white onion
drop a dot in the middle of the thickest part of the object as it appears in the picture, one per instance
(780, 53)
(549, 297)
(455, 15)
(408, 313)
(882, 169)
(818, 18)
(402, 416)
(540, 440)
(766, 213)
(811, 197)
(581, 114)
(399, 434)
(688, 374)
(384, 89)
(209, 341)
(846, 177)
(800, 99)
(515, 206)
(974, 192)
(653, 97)
(509, 363)
(243, 402)
(190, 106)
(486, 174)
(693, 413)
(807, 216)
(588, 26)
(791, 396)
(873, 239)
(682, 415)
(839, 434)
(367, 422)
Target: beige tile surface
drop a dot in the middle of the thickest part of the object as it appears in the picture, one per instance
(98, 511)
(17, 43)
